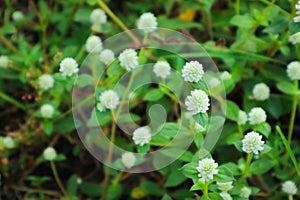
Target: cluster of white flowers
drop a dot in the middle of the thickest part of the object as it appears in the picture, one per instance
(297, 18)
(46, 81)
(207, 168)
(109, 99)
(141, 136)
(4, 61)
(197, 102)
(17, 16)
(261, 92)
(98, 16)
(192, 71)
(128, 59)
(293, 70)
(93, 44)
(47, 111)
(162, 69)
(49, 153)
(257, 115)
(242, 118)
(8, 142)
(295, 38)
(147, 22)
(128, 159)
(68, 67)
(225, 75)
(245, 192)
(289, 187)
(252, 143)
(107, 56)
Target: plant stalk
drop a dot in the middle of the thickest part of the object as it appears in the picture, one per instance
(248, 162)
(293, 113)
(58, 181)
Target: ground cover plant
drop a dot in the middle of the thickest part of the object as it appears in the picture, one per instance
(149, 99)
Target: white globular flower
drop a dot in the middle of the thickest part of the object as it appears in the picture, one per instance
(214, 82)
(47, 111)
(98, 16)
(17, 16)
(107, 56)
(295, 38)
(257, 115)
(110, 99)
(46, 81)
(293, 70)
(8, 142)
(252, 143)
(297, 18)
(225, 186)
(261, 92)
(197, 102)
(225, 75)
(242, 117)
(147, 22)
(162, 69)
(49, 153)
(141, 136)
(4, 61)
(207, 168)
(289, 187)
(192, 71)
(93, 44)
(68, 67)
(128, 159)
(225, 196)
(128, 59)
(245, 192)
(100, 107)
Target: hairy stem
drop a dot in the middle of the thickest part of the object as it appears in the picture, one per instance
(293, 113)
(205, 190)
(247, 165)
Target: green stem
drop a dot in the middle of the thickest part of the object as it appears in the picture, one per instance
(205, 190)
(237, 7)
(293, 113)
(12, 101)
(247, 165)
(290, 197)
(58, 181)
(297, 51)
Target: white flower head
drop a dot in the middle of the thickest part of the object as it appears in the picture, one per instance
(225, 196)
(110, 99)
(293, 70)
(8, 142)
(128, 159)
(68, 67)
(261, 92)
(192, 71)
(17, 16)
(242, 117)
(214, 82)
(289, 187)
(128, 59)
(257, 115)
(79, 180)
(162, 69)
(47, 111)
(225, 186)
(252, 143)
(295, 38)
(141, 136)
(245, 192)
(4, 61)
(207, 168)
(46, 81)
(100, 107)
(49, 153)
(107, 56)
(197, 102)
(147, 22)
(225, 75)
(98, 16)
(93, 44)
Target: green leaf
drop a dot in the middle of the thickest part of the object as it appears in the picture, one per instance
(232, 110)
(72, 185)
(214, 196)
(197, 186)
(7, 29)
(153, 95)
(189, 170)
(143, 149)
(263, 128)
(201, 118)
(47, 127)
(224, 174)
(91, 189)
(287, 88)
(174, 179)
(114, 192)
(166, 197)
(82, 15)
(152, 188)
(239, 145)
(64, 125)
(84, 80)
(261, 166)
(128, 118)
(243, 21)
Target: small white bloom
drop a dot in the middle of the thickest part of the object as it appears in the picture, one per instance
(79, 180)
(17, 16)
(293, 70)
(197, 102)
(225, 75)
(93, 44)
(98, 16)
(289, 187)
(128, 159)
(225, 186)
(147, 22)
(295, 38)
(100, 107)
(297, 18)
(245, 192)
(110, 99)
(242, 117)
(4, 61)
(46, 81)
(225, 196)
(141, 136)
(214, 82)
(207, 168)
(47, 111)
(192, 71)
(257, 115)
(107, 56)
(49, 153)
(252, 143)
(68, 66)
(128, 59)
(261, 92)
(8, 142)
(162, 69)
